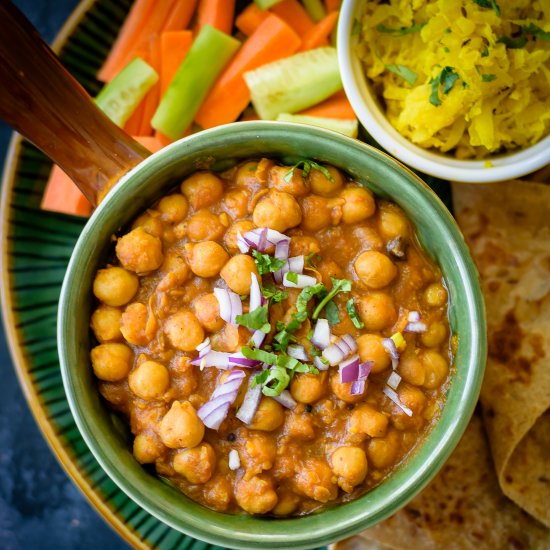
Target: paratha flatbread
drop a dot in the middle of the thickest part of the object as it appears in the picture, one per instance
(507, 227)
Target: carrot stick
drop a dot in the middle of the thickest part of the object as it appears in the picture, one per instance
(250, 19)
(318, 35)
(133, 124)
(151, 100)
(336, 106)
(126, 39)
(62, 195)
(295, 15)
(151, 143)
(332, 5)
(218, 13)
(180, 16)
(229, 96)
(174, 46)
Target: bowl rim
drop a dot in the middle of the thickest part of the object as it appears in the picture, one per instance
(334, 523)
(492, 169)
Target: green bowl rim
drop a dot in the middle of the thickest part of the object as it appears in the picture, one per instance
(345, 519)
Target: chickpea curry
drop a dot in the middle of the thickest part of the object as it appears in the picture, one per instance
(275, 335)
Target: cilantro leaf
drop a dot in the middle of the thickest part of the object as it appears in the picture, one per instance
(488, 77)
(266, 263)
(331, 311)
(446, 78)
(491, 4)
(513, 43)
(291, 277)
(276, 380)
(485, 52)
(256, 319)
(338, 285)
(352, 312)
(356, 27)
(271, 292)
(533, 30)
(308, 165)
(259, 355)
(404, 72)
(307, 294)
(401, 31)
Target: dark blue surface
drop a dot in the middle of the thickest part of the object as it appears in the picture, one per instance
(40, 508)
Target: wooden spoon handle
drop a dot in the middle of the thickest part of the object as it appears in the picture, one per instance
(42, 101)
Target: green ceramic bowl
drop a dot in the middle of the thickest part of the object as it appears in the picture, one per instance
(220, 148)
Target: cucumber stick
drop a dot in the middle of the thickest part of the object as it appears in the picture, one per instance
(315, 8)
(294, 83)
(266, 4)
(123, 94)
(346, 127)
(209, 54)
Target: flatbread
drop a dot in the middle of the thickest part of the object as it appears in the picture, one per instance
(507, 227)
(461, 509)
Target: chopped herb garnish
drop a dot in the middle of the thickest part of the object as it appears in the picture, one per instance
(315, 352)
(513, 43)
(446, 79)
(485, 52)
(266, 263)
(308, 165)
(404, 72)
(312, 258)
(273, 381)
(488, 77)
(401, 31)
(352, 312)
(517, 42)
(284, 335)
(331, 311)
(307, 294)
(338, 285)
(356, 27)
(491, 4)
(271, 292)
(256, 319)
(259, 355)
(533, 30)
(292, 277)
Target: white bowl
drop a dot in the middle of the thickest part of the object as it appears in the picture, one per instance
(373, 118)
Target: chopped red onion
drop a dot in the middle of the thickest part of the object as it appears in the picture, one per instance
(364, 370)
(282, 248)
(223, 360)
(204, 347)
(321, 334)
(357, 387)
(263, 238)
(234, 460)
(285, 399)
(250, 403)
(258, 338)
(302, 281)
(294, 264)
(416, 327)
(239, 359)
(242, 244)
(414, 316)
(340, 349)
(393, 380)
(214, 411)
(391, 348)
(395, 398)
(298, 352)
(318, 362)
(230, 304)
(349, 370)
(255, 293)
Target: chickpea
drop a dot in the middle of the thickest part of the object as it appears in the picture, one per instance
(218, 492)
(287, 503)
(436, 333)
(328, 269)
(197, 464)
(173, 208)
(371, 349)
(115, 286)
(149, 380)
(435, 295)
(382, 451)
(184, 330)
(105, 323)
(436, 368)
(304, 246)
(308, 388)
(367, 420)
(359, 204)
(317, 213)
(300, 426)
(139, 251)
(368, 237)
(269, 416)
(350, 465)
(315, 480)
(147, 448)
(207, 311)
(375, 269)
(411, 369)
(256, 495)
(230, 338)
(149, 223)
(207, 258)
(133, 324)
(260, 453)
(392, 224)
(176, 271)
(205, 226)
(111, 362)
(202, 189)
(181, 427)
(277, 210)
(245, 175)
(377, 311)
(237, 273)
(230, 239)
(236, 203)
(342, 391)
(411, 397)
(321, 185)
(296, 185)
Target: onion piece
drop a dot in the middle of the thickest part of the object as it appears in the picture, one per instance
(318, 362)
(340, 349)
(321, 334)
(250, 403)
(242, 244)
(230, 304)
(285, 399)
(414, 316)
(282, 248)
(302, 281)
(349, 370)
(255, 293)
(223, 360)
(357, 387)
(294, 264)
(214, 411)
(297, 352)
(417, 327)
(395, 398)
(364, 369)
(391, 348)
(263, 238)
(239, 359)
(258, 338)
(204, 347)
(234, 461)
(393, 380)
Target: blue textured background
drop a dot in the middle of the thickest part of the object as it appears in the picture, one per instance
(40, 508)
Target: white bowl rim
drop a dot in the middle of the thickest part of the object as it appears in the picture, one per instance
(442, 166)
